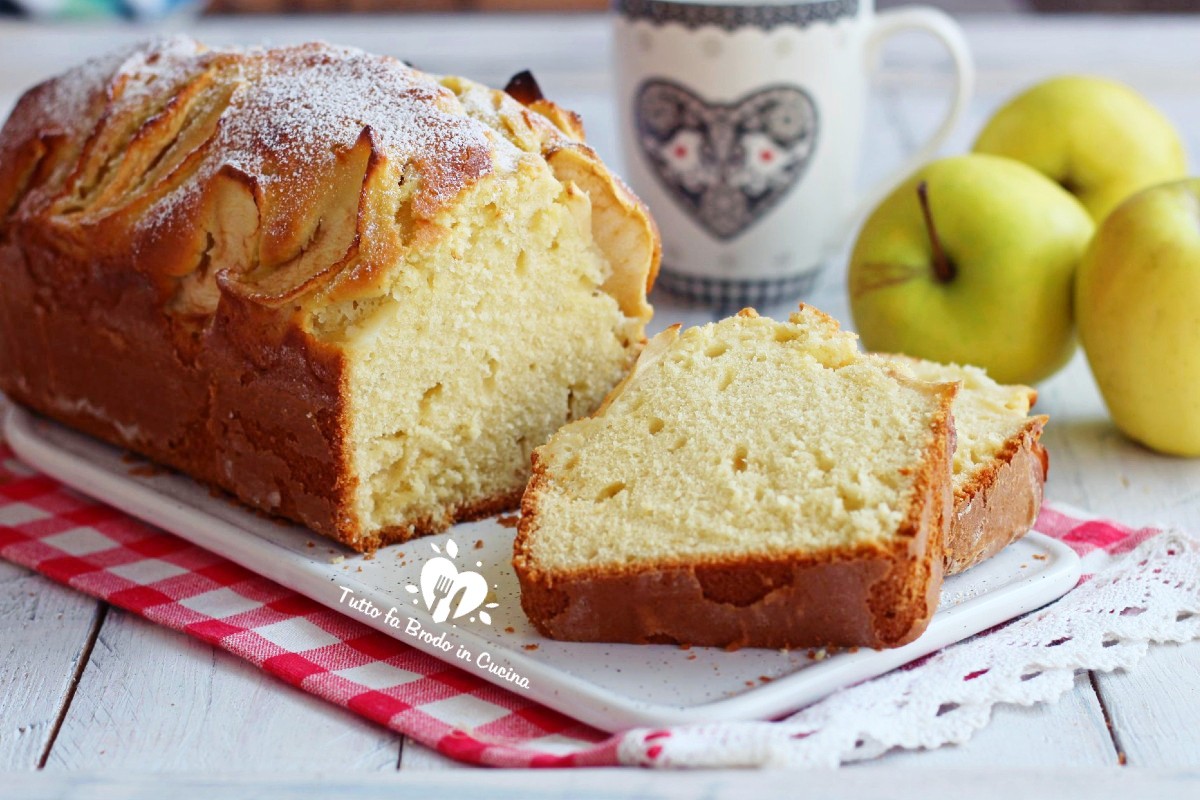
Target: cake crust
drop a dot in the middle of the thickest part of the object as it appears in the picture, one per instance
(1000, 503)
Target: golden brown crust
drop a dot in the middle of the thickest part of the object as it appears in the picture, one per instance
(576, 153)
(1001, 501)
(871, 597)
(182, 132)
(170, 218)
(763, 603)
(427, 526)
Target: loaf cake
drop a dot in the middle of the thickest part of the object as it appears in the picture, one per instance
(348, 292)
(999, 464)
(751, 483)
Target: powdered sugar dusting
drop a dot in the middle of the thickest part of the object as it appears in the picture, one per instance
(299, 107)
(68, 104)
(145, 71)
(72, 104)
(479, 102)
(291, 114)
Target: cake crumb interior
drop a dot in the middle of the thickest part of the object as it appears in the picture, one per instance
(746, 437)
(484, 343)
(987, 414)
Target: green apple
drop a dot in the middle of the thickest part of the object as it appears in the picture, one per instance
(971, 260)
(1137, 299)
(1099, 139)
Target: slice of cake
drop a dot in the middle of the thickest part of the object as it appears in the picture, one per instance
(751, 483)
(999, 465)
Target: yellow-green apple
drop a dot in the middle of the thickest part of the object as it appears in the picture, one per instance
(1137, 299)
(1099, 139)
(971, 260)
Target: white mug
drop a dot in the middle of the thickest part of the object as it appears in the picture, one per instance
(742, 127)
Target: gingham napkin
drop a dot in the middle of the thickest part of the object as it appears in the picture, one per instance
(104, 553)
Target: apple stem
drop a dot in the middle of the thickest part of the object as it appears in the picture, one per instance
(943, 268)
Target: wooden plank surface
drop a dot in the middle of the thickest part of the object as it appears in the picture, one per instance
(227, 715)
(1155, 708)
(994, 783)
(151, 698)
(44, 630)
(417, 757)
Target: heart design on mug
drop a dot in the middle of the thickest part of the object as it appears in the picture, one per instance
(726, 164)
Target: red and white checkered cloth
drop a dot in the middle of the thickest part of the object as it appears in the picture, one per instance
(86, 545)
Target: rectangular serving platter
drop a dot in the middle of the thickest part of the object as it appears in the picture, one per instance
(610, 686)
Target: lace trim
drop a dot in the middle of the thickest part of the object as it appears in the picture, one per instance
(1151, 595)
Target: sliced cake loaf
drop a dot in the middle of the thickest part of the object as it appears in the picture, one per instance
(348, 292)
(750, 483)
(999, 465)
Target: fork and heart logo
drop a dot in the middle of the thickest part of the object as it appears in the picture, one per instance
(450, 593)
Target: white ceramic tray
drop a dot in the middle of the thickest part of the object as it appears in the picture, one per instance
(610, 686)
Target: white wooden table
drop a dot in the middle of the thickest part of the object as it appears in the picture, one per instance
(90, 695)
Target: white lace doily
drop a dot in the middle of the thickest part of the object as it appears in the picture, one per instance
(1152, 594)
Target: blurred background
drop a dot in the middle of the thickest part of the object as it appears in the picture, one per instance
(151, 8)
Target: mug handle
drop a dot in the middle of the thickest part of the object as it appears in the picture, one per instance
(948, 32)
